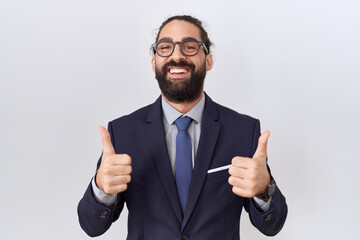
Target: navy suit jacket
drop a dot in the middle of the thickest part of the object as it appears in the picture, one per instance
(213, 210)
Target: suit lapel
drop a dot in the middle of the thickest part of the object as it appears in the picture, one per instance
(156, 139)
(210, 130)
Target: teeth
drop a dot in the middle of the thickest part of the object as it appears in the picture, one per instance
(178, 70)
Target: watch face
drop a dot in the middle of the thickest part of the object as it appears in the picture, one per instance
(271, 189)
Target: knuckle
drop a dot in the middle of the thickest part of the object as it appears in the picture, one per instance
(107, 189)
(236, 172)
(235, 160)
(123, 187)
(127, 158)
(237, 191)
(233, 181)
(230, 180)
(231, 170)
(127, 169)
(127, 179)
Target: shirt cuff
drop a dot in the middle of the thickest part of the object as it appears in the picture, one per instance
(262, 204)
(101, 197)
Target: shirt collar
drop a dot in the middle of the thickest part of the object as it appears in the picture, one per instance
(171, 114)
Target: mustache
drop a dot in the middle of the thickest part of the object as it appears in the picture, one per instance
(182, 63)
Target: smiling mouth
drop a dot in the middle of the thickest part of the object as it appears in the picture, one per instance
(178, 72)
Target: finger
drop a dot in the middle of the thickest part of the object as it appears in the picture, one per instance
(241, 172)
(122, 159)
(242, 192)
(241, 182)
(261, 150)
(120, 188)
(119, 160)
(118, 180)
(118, 170)
(106, 140)
(237, 182)
(114, 189)
(241, 162)
(242, 187)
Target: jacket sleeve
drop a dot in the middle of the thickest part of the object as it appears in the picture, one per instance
(96, 218)
(271, 221)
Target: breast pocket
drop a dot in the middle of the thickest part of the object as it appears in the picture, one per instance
(218, 174)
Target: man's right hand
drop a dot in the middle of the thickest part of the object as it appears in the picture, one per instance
(114, 171)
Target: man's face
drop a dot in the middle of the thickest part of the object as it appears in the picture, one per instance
(181, 77)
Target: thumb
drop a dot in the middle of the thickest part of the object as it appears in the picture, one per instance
(106, 140)
(261, 150)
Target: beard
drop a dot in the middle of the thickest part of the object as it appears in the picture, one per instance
(184, 90)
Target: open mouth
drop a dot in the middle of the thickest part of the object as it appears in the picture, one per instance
(178, 72)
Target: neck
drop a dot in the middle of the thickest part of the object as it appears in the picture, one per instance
(184, 107)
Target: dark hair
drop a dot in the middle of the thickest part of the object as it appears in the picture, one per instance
(204, 35)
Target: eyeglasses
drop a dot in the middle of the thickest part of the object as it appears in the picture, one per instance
(188, 47)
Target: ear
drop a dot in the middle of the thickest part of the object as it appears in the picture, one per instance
(209, 62)
(153, 63)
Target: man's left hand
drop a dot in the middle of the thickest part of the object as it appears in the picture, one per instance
(249, 176)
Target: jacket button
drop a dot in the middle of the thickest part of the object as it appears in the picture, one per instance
(268, 217)
(104, 213)
(184, 237)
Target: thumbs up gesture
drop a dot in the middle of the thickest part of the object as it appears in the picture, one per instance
(249, 176)
(114, 171)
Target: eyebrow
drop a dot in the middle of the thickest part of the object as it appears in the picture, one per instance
(171, 40)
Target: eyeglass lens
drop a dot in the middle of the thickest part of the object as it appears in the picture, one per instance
(188, 48)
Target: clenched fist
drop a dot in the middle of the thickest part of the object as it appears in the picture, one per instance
(114, 171)
(249, 176)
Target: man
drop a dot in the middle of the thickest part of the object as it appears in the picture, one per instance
(184, 165)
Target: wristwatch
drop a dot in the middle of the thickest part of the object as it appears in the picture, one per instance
(270, 190)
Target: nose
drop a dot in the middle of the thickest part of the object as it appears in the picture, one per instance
(177, 54)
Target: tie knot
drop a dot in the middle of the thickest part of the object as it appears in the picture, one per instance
(183, 123)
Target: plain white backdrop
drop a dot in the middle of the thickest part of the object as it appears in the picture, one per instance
(68, 66)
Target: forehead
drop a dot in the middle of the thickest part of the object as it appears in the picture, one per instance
(178, 30)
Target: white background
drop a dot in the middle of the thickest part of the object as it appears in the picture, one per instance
(68, 66)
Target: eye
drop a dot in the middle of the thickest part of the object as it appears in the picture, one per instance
(164, 47)
(190, 46)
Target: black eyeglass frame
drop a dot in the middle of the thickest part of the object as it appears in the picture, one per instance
(154, 46)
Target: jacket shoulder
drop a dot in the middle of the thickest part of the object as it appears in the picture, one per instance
(227, 114)
(138, 116)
